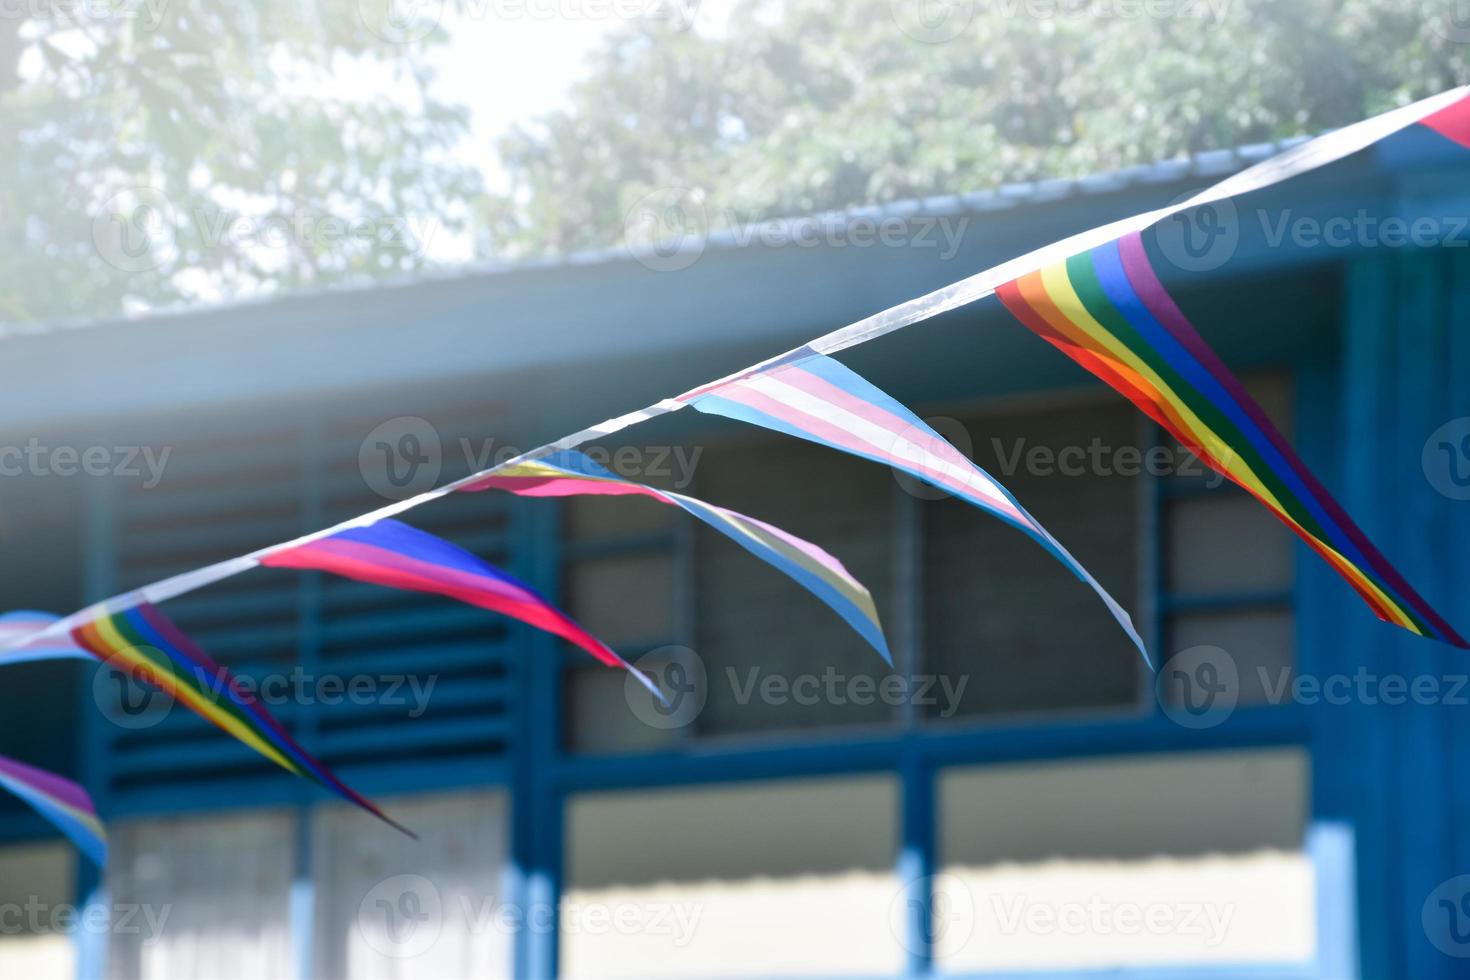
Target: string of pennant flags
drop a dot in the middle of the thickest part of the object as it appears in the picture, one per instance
(1096, 296)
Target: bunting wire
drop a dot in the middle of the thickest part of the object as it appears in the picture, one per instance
(1298, 160)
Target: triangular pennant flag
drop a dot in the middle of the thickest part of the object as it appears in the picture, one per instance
(816, 398)
(1108, 311)
(570, 473)
(393, 554)
(22, 642)
(60, 801)
(148, 647)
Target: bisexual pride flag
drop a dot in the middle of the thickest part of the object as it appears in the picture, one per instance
(393, 554)
(60, 801)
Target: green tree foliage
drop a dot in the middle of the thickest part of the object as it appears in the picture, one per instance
(157, 151)
(807, 105)
(163, 151)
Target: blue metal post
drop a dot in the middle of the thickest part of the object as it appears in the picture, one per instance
(1368, 313)
(1421, 394)
(308, 656)
(536, 800)
(1456, 532)
(916, 849)
(303, 900)
(99, 582)
(916, 864)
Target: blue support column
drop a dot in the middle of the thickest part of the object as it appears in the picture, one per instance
(1393, 765)
(916, 849)
(1457, 531)
(916, 863)
(100, 581)
(536, 800)
(303, 900)
(1330, 846)
(308, 657)
(1364, 770)
(1338, 783)
(1421, 396)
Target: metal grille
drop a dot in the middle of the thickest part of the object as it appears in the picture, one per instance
(370, 680)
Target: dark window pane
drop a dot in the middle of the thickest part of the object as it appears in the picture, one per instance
(1259, 643)
(1001, 614)
(625, 600)
(1226, 542)
(776, 657)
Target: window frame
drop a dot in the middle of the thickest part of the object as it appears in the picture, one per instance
(917, 752)
(542, 772)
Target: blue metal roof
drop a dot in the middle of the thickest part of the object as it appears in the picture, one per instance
(741, 300)
(1211, 164)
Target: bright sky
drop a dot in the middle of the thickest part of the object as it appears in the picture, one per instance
(512, 60)
(509, 71)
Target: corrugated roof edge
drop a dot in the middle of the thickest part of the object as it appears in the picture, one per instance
(1212, 164)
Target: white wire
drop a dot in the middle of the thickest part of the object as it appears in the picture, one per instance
(1298, 160)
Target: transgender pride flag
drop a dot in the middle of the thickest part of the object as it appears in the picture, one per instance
(815, 398)
(391, 553)
(16, 626)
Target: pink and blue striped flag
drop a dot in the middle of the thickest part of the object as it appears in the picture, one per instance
(816, 398)
(398, 556)
(16, 626)
(570, 473)
(60, 801)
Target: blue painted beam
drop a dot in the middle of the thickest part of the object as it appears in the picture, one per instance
(1248, 727)
(537, 836)
(917, 861)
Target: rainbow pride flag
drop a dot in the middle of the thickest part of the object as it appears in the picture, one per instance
(145, 645)
(393, 554)
(813, 397)
(1107, 310)
(570, 473)
(60, 801)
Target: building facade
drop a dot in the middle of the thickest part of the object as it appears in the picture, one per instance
(1019, 795)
